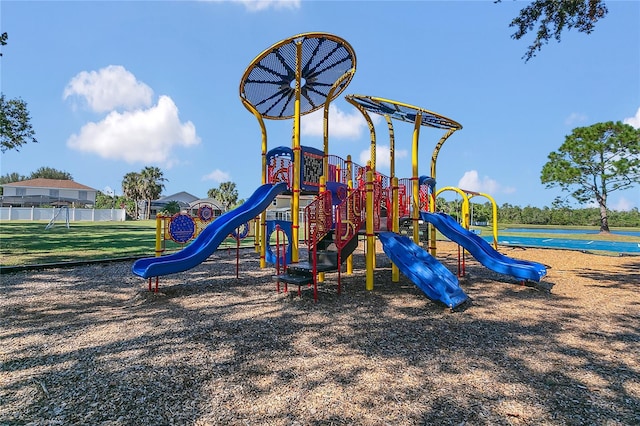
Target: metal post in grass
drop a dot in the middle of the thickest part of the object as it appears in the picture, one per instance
(158, 235)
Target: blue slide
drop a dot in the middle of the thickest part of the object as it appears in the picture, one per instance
(482, 250)
(431, 276)
(211, 237)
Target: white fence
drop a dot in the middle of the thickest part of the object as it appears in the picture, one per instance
(75, 214)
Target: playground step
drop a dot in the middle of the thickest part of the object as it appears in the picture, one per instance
(293, 279)
(306, 268)
(349, 248)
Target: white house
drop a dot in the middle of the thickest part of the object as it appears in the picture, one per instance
(51, 192)
(280, 208)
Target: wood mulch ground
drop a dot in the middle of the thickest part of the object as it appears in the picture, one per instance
(90, 345)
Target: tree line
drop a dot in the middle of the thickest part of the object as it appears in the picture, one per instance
(140, 188)
(559, 214)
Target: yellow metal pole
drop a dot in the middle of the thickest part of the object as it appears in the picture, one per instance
(494, 217)
(415, 213)
(371, 244)
(434, 158)
(325, 121)
(370, 209)
(395, 272)
(465, 203)
(261, 230)
(372, 131)
(261, 226)
(372, 151)
(369, 206)
(395, 204)
(465, 213)
(495, 225)
(392, 143)
(158, 235)
(295, 199)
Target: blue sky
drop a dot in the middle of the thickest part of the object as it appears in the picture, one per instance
(113, 87)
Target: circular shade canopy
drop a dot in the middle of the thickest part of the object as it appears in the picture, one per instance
(269, 82)
(403, 112)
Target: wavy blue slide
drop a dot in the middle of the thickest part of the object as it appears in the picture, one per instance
(431, 276)
(210, 237)
(482, 250)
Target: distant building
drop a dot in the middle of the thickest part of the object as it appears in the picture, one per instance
(184, 200)
(47, 192)
(188, 204)
(280, 207)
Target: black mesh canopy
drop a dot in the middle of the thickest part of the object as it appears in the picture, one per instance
(403, 112)
(269, 82)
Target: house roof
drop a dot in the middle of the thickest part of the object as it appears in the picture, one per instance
(179, 196)
(50, 183)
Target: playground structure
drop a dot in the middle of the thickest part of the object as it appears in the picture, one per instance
(303, 74)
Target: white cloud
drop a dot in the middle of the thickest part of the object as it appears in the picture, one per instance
(364, 157)
(383, 156)
(260, 5)
(471, 181)
(109, 88)
(633, 121)
(217, 176)
(575, 118)
(146, 136)
(622, 205)
(341, 124)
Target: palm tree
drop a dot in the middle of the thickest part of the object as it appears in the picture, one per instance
(227, 194)
(132, 189)
(171, 208)
(151, 178)
(441, 204)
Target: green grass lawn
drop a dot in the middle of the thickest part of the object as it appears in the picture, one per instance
(27, 243)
